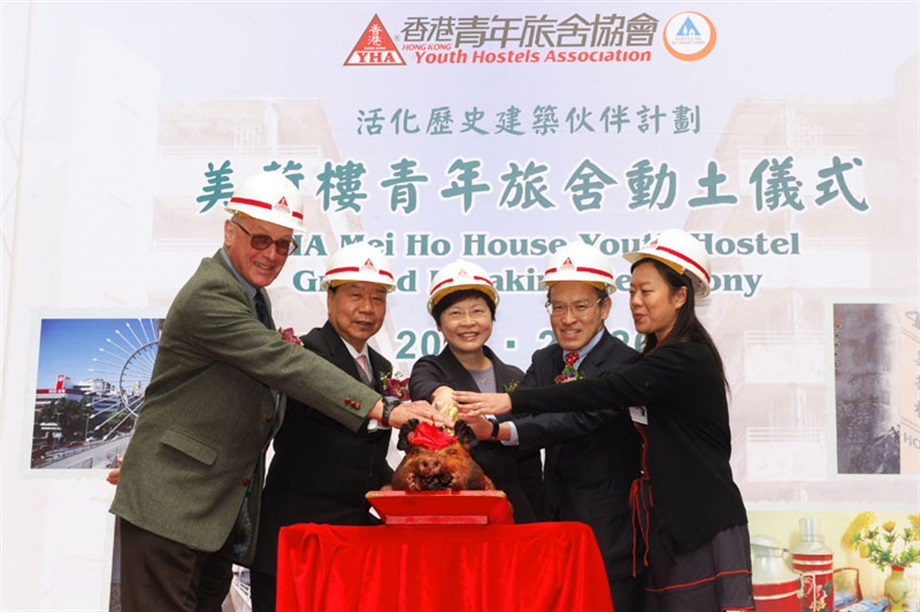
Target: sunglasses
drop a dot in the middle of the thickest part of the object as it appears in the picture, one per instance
(260, 242)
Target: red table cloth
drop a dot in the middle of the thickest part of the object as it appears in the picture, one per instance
(540, 566)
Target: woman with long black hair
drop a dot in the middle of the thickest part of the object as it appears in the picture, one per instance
(685, 503)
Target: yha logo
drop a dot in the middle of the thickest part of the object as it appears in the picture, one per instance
(375, 48)
(368, 266)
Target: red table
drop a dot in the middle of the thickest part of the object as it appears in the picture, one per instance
(540, 566)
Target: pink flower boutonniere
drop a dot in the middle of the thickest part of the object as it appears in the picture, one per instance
(394, 386)
(569, 373)
(288, 335)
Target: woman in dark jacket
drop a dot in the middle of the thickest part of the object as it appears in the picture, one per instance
(689, 510)
(463, 302)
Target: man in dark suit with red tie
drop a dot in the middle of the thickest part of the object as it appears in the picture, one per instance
(591, 458)
(304, 484)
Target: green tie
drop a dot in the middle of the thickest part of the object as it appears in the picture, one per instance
(262, 309)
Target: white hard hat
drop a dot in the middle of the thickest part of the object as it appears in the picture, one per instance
(460, 275)
(358, 262)
(579, 261)
(270, 197)
(683, 253)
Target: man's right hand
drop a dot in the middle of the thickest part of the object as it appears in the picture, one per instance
(421, 410)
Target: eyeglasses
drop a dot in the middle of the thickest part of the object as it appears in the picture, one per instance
(556, 309)
(455, 314)
(260, 242)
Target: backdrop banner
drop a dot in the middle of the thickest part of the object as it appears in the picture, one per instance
(785, 136)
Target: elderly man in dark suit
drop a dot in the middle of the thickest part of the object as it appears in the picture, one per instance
(591, 458)
(301, 486)
(188, 494)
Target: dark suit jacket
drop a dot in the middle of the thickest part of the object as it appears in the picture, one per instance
(689, 440)
(199, 444)
(321, 470)
(499, 462)
(591, 457)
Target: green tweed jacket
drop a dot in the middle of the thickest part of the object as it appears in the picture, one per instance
(193, 470)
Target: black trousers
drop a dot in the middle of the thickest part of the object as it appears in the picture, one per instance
(628, 594)
(160, 574)
(264, 592)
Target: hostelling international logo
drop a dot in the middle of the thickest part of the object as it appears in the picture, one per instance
(500, 39)
(689, 36)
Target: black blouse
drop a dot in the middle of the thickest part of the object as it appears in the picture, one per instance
(689, 441)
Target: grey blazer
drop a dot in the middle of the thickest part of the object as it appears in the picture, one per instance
(215, 399)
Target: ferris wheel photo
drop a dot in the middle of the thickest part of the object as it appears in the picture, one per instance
(128, 360)
(92, 380)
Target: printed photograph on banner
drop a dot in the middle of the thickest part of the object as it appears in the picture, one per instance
(877, 392)
(810, 559)
(92, 375)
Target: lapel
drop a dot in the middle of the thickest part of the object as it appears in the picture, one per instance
(464, 380)
(456, 371)
(341, 357)
(380, 366)
(593, 363)
(502, 372)
(550, 365)
(219, 259)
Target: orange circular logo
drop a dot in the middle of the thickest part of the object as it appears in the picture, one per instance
(689, 36)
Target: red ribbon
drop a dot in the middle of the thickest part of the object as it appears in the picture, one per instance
(429, 436)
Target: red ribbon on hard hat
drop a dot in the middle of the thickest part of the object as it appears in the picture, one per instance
(583, 269)
(265, 205)
(689, 260)
(355, 269)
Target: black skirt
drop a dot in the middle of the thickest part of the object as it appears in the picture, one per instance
(713, 577)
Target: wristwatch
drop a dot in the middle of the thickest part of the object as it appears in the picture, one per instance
(495, 428)
(389, 404)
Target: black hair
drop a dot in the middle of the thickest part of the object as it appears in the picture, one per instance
(458, 296)
(687, 326)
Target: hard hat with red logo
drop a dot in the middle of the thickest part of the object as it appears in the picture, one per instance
(681, 252)
(358, 262)
(271, 197)
(581, 262)
(460, 275)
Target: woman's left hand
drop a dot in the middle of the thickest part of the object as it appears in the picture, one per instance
(442, 398)
(475, 404)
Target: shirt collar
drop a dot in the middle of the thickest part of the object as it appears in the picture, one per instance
(354, 354)
(250, 290)
(583, 351)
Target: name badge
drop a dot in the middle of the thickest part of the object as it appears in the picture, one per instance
(639, 414)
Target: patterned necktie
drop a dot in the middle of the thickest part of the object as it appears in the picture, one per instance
(361, 360)
(571, 358)
(262, 309)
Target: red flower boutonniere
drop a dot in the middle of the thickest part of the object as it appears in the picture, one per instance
(429, 436)
(394, 386)
(569, 373)
(288, 335)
